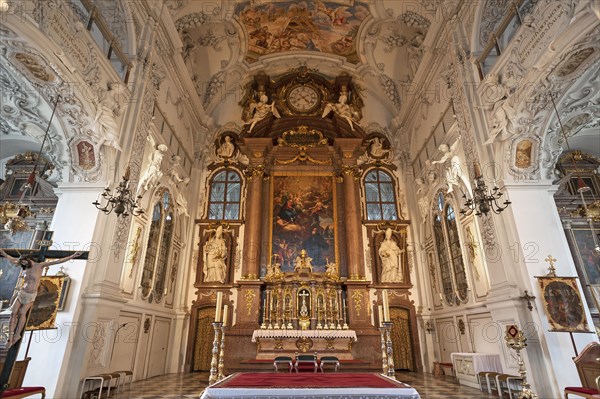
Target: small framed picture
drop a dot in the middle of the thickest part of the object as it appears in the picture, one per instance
(562, 304)
(45, 307)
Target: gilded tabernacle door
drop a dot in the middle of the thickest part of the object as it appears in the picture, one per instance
(303, 234)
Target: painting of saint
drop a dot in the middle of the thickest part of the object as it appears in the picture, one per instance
(303, 219)
(325, 26)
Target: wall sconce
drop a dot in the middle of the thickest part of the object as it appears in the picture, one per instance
(429, 327)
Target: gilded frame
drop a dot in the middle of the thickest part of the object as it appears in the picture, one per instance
(306, 180)
(563, 304)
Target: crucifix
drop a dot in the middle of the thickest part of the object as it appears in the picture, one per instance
(304, 309)
(33, 263)
(551, 268)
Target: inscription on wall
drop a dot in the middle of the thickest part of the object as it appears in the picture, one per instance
(60, 30)
(552, 18)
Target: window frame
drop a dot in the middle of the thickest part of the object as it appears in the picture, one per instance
(212, 181)
(453, 251)
(148, 292)
(392, 182)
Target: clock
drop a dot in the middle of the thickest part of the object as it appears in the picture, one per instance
(303, 99)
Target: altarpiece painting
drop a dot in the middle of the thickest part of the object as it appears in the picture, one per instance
(303, 218)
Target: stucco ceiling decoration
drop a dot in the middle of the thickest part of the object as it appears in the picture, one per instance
(327, 27)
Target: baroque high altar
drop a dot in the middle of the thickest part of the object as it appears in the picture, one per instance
(302, 229)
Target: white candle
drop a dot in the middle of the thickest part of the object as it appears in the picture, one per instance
(218, 308)
(380, 314)
(225, 311)
(344, 310)
(386, 306)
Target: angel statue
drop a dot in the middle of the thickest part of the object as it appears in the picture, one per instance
(341, 109)
(453, 168)
(153, 172)
(260, 110)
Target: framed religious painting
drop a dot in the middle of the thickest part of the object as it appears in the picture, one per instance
(303, 221)
(47, 302)
(563, 304)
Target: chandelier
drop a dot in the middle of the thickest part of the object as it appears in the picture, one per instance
(122, 201)
(484, 200)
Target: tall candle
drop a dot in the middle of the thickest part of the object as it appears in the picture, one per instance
(225, 311)
(380, 314)
(386, 306)
(344, 310)
(218, 308)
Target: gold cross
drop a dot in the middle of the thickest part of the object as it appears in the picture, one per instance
(552, 270)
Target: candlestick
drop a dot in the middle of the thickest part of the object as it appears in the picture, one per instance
(264, 320)
(380, 314)
(218, 308)
(214, 363)
(477, 169)
(386, 306)
(225, 311)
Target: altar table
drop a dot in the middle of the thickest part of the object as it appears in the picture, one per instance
(351, 334)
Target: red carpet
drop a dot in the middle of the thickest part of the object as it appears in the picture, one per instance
(314, 380)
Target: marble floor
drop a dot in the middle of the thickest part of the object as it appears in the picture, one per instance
(190, 385)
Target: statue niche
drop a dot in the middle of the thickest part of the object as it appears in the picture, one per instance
(389, 255)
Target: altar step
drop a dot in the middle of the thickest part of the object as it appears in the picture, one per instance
(267, 365)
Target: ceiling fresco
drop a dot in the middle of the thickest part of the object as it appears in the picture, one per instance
(328, 27)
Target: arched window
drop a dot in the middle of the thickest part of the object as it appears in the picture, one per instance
(460, 275)
(442, 253)
(380, 196)
(224, 199)
(447, 241)
(158, 248)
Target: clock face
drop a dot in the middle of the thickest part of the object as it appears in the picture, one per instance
(303, 98)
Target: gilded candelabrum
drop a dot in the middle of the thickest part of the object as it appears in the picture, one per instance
(214, 363)
(391, 371)
(384, 361)
(515, 339)
(221, 368)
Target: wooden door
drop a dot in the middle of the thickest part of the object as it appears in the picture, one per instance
(448, 337)
(203, 341)
(159, 347)
(402, 339)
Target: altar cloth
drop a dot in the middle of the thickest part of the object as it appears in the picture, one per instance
(330, 386)
(304, 334)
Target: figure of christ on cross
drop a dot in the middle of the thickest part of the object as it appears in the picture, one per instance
(25, 295)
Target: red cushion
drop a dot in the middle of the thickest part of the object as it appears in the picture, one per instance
(20, 391)
(587, 391)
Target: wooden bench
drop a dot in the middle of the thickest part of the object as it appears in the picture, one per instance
(23, 392)
(588, 367)
(439, 368)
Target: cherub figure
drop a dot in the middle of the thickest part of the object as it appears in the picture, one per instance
(260, 110)
(341, 109)
(25, 295)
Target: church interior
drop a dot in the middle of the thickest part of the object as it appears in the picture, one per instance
(196, 190)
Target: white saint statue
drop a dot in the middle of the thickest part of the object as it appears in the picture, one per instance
(226, 149)
(391, 264)
(105, 120)
(215, 252)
